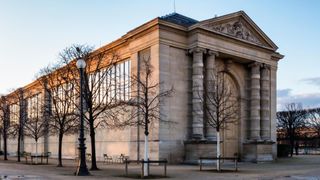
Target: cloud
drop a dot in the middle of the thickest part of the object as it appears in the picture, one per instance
(312, 81)
(308, 100)
(283, 92)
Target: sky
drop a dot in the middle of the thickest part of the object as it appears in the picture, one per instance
(33, 32)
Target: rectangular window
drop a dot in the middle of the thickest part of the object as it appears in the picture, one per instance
(34, 106)
(111, 84)
(14, 113)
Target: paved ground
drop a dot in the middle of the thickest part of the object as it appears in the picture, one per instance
(299, 167)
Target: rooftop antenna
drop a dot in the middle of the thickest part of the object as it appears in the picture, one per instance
(174, 5)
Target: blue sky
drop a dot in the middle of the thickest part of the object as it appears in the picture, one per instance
(32, 33)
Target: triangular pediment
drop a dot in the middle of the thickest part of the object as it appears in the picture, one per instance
(239, 26)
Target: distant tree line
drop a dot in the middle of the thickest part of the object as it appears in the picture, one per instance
(298, 127)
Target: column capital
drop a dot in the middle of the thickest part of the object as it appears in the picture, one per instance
(266, 66)
(255, 64)
(212, 53)
(196, 50)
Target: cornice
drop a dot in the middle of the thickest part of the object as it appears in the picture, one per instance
(277, 56)
(130, 35)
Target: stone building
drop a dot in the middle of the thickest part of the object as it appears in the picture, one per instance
(184, 51)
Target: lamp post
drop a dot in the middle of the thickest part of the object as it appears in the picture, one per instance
(82, 169)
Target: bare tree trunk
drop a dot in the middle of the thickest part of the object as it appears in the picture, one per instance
(60, 150)
(218, 151)
(291, 145)
(19, 147)
(146, 155)
(37, 151)
(93, 147)
(5, 146)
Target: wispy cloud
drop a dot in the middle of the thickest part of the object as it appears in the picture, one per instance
(283, 92)
(309, 100)
(312, 81)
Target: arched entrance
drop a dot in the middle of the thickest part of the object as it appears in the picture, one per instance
(230, 132)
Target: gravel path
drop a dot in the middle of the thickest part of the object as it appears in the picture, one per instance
(296, 168)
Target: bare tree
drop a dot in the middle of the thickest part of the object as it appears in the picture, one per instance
(35, 125)
(59, 101)
(102, 94)
(4, 125)
(291, 120)
(220, 104)
(147, 98)
(17, 118)
(314, 120)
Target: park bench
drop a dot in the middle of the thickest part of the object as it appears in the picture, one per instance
(164, 162)
(234, 159)
(46, 156)
(42, 156)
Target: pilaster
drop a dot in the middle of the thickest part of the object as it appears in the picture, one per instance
(197, 93)
(46, 115)
(255, 101)
(209, 86)
(22, 117)
(265, 102)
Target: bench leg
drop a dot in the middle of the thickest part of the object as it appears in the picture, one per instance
(165, 169)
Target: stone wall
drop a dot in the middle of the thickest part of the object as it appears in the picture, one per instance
(175, 114)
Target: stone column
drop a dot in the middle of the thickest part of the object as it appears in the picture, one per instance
(197, 93)
(255, 102)
(265, 102)
(209, 84)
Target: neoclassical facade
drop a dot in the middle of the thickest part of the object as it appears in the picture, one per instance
(184, 53)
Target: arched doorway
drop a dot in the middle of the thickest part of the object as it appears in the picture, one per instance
(230, 132)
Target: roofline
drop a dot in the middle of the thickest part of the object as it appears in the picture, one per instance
(158, 21)
(129, 34)
(106, 47)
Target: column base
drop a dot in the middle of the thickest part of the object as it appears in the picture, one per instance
(211, 138)
(194, 149)
(258, 151)
(197, 137)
